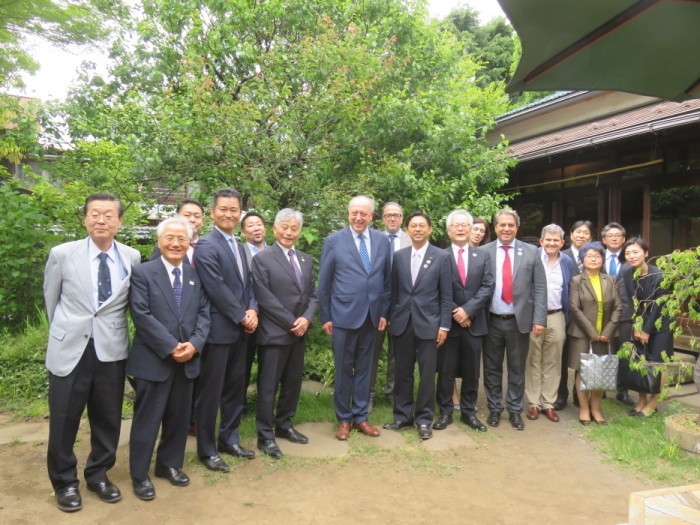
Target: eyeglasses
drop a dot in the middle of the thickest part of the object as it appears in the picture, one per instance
(592, 256)
(614, 235)
(460, 225)
(392, 216)
(171, 239)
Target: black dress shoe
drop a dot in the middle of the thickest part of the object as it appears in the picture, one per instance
(214, 463)
(473, 422)
(144, 489)
(424, 432)
(291, 434)
(398, 425)
(105, 490)
(560, 404)
(625, 398)
(270, 448)
(494, 419)
(442, 422)
(516, 421)
(236, 450)
(174, 475)
(68, 499)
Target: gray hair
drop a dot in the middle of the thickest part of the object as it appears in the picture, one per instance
(175, 220)
(288, 214)
(553, 229)
(362, 200)
(456, 213)
(506, 211)
(392, 203)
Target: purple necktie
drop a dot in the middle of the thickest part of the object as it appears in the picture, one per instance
(295, 267)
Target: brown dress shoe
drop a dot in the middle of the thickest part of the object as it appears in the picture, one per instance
(366, 429)
(343, 432)
(551, 414)
(533, 412)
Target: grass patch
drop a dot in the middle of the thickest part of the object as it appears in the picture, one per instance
(639, 446)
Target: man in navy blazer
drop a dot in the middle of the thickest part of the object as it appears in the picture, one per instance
(171, 315)
(285, 289)
(221, 265)
(472, 287)
(518, 306)
(420, 317)
(354, 289)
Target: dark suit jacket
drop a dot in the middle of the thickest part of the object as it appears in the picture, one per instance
(583, 306)
(280, 298)
(427, 305)
(346, 293)
(159, 327)
(475, 296)
(230, 293)
(529, 284)
(573, 258)
(647, 289)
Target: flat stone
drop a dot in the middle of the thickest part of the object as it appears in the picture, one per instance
(322, 442)
(451, 438)
(24, 432)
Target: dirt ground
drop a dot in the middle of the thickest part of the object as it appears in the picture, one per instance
(545, 474)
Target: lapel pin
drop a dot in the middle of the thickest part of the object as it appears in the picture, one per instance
(473, 255)
(191, 283)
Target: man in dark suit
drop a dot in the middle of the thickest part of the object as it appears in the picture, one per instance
(392, 218)
(193, 211)
(171, 315)
(86, 288)
(223, 270)
(472, 287)
(354, 290)
(518, 307)
(284, 283)
(420, 316)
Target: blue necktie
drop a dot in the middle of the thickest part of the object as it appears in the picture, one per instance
(364, 256)
(177, 288)
(104, 280)
(613, 266)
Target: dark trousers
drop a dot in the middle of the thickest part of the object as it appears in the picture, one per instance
(168, 402)
(459, 356)
(221, 385)
(99, 386)
(378, 345)
(353, 351)
(504, 339)
(251, 350)
(563, 391)
(284, 366)
(410, 349)
(624, 333)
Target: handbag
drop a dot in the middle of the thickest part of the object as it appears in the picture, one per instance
(598, 372)
(645, 384)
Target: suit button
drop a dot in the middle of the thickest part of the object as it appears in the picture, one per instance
(85, 336)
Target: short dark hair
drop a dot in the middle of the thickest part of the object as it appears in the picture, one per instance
(251, 214)
(634, 240)
(226, 193)
(419, 214)
(587, 224)
(188, 200)
(595, 245)
(103, 197)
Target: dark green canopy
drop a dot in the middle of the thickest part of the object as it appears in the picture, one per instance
(649, 47)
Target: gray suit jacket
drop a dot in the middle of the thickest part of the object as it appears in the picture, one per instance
(159, 326)
(427, 304)
(280, 298)
(529, 284)
(72, 313)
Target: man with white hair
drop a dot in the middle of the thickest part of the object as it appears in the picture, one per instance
(354, 290)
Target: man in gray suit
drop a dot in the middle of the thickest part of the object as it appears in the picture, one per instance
(392, 218)
(420, 316)
(171, 314)
(283, 279)
(86, 288)
(518, 307)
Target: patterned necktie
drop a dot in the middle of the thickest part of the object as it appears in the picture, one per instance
(364, 255)
(104, 280)
(295, 267)
(460, 266)
(613, 265)
(177, 288)
(415, 267)
(507, 291)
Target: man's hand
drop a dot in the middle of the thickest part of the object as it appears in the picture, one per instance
(328, 327)
(537, 330)
(300, 326)
(642, 337)
(441, 337)
(461, 317)
(183, 352)
(382, 324)
(250, 323)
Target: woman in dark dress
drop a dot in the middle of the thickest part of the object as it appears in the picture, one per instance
(642, 281)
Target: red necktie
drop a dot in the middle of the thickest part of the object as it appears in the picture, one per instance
(507, 292)
(460, 267)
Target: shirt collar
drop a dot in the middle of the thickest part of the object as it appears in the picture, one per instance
(421, 251)
(286, 250)
(169, 267)
(499, 243)
(94, 251)
(355, 234)
(226, 235)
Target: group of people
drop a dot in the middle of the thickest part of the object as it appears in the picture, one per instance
(204, 307)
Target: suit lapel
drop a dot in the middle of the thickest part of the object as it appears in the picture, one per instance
(189, 277)
(283, 261)
(162, 280)
(517, 256)
(350, 241)
(588, 285)
(425, 264)
(82, 268)
(226, 247)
